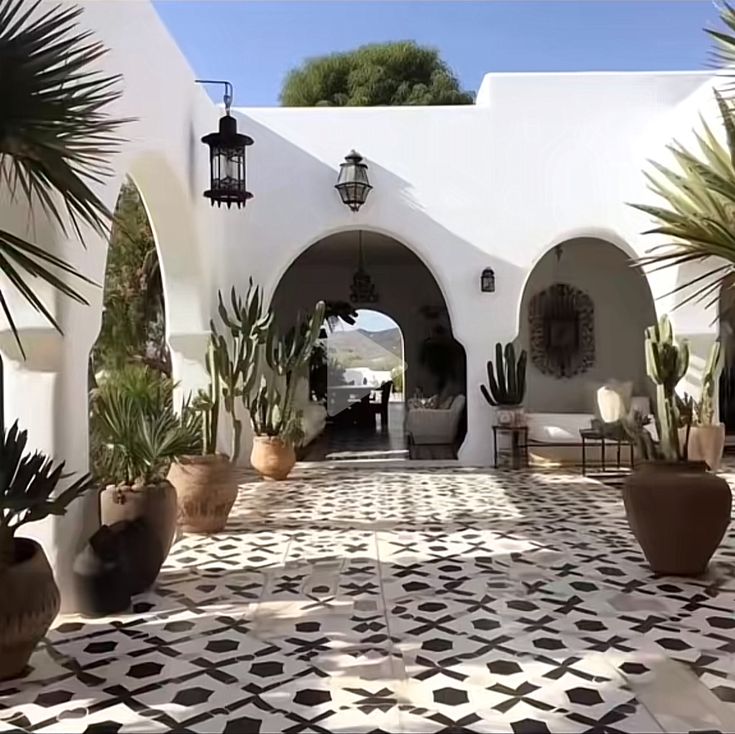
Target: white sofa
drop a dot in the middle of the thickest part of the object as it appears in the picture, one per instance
(548, 433)
(434, 426)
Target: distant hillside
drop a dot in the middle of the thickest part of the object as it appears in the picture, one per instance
(358, 347)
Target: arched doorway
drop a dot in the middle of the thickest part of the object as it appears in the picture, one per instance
(584, 311)
(131, 343)
(385, 284)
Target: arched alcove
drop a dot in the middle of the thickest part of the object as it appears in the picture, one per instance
(134, 310)
(582, 319)
(400, 287)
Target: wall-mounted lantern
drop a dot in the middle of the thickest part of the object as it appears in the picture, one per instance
(227, 182)
(352, 183)
(487, 281)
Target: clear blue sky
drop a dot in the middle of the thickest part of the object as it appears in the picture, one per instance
(254, 44)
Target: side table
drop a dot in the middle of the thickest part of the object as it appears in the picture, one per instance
(600, 437)
(518, 445)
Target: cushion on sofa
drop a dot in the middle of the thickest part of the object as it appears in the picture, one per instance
(557, 427)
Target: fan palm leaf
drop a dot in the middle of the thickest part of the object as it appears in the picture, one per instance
(56, 138)
(697, 215)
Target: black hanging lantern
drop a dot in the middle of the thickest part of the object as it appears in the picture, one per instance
(487, 281)
(363, 290)
(227, 158)
(352, 183)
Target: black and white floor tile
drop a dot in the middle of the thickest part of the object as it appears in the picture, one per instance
(400, 600)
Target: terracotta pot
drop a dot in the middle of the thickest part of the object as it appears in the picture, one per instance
(154, 504)
(29, 603)
(271, 457)
(678, 513)
(206, 489)
(707, 443)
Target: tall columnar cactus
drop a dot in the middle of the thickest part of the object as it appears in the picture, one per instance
(208, 401)
(234, 355)
(272, 407)
(706, 405)
(507, 378)
(667, 361)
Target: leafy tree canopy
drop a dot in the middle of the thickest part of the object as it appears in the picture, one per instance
(133, 318)
(397, 73)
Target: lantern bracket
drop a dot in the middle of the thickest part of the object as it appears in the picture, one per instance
(227, 97)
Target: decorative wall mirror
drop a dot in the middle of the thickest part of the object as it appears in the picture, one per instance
(561, 322)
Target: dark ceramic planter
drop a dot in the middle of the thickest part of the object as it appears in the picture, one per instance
(678, 513)
(155, 507)
(29, 603)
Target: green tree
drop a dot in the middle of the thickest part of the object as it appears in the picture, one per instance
(397, 73)
(133, 319)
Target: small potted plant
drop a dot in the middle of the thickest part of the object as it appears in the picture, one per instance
(507, 385)
(30, 598)
(206, 484)
(138, 434)
(677, 510)
(707, 440)
(276, 420)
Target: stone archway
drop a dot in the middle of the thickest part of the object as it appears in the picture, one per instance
(405, 289)
(619, 307)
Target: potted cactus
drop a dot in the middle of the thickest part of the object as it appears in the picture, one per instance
(507, 385)
(30, 598)
(677, 510)
(275, 418)
(707, 440)
(206, 484)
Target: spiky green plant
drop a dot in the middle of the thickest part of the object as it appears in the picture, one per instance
(137, 430)
(507, 378)
(667, 361)
(698, 196)
(28, 482)
(55, 137)
(271, 406)
(234, 354)
(705, 408)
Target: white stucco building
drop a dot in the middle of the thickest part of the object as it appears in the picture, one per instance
(540, 160)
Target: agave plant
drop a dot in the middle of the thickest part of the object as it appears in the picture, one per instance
(55, 137)
(698, 195)
(136, 431)
(27, 483)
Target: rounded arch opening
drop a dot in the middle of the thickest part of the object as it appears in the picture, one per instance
(583, 313)
(368, 271)
(131, 347)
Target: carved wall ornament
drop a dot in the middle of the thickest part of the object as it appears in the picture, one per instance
(561, 320)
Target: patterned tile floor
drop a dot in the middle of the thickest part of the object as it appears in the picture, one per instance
(401, 600)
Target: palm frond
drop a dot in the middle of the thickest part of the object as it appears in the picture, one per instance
(56, 136)
(698, 211)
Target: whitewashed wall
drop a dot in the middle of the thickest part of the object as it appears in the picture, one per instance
(540, 159)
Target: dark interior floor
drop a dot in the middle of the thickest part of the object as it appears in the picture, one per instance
(378, 443)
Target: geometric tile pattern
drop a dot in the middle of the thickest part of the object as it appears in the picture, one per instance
(397, 600)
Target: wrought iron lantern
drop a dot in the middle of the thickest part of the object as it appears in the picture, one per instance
(352, 183)
(227, 184)
(363, 289)
(487, 281)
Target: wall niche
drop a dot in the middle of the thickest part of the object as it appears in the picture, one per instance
(561, 320)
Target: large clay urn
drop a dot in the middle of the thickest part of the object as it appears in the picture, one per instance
(678, 513)
(272, 458)
(155, 505)
(29, 603)
(206, 489)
